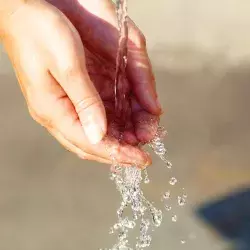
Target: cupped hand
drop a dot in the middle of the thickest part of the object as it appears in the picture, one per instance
(64, 53)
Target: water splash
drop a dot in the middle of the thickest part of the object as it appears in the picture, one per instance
(173, 181)
(166, 196)
(128, 182)
(144, 239)
(174, 218)
(182, 200)
(168, 208)
(146, 178)
(158, 146)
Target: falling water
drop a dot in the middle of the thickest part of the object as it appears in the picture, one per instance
(121, 59)
(128, 180)
(144, 215)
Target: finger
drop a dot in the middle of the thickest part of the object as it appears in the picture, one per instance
(140, 73)
(129, 134)
(146, 124)
(113, 126)
(125, 134)
(68, 66)
(74, 149)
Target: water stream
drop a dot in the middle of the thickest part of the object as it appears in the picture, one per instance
(121, 59)
(135, 209)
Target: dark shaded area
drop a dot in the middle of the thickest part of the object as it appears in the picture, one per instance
(230, 216)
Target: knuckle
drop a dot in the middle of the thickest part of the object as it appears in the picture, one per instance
(87, 103)
(70, 71)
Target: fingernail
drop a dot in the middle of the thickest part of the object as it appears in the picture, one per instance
(93, 131)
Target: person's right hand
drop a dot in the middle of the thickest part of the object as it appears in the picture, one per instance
(49, 60)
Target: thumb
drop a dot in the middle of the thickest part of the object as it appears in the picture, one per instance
(88, 106)
(71, 73)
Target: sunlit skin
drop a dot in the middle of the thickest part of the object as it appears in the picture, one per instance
(63, 53)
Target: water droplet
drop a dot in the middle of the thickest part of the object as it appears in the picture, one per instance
(174, 218)
(168, 208)
(157, 217)
(166, 195)
(144, 226)
(117, 226)
(173, 181)
(158, 147)
(128, 223)
(183, 241)
(182, 200)
(146, 178)
(169, 164)
(112, 176)
(144, 242)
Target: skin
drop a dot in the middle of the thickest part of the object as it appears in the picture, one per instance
(63, 53)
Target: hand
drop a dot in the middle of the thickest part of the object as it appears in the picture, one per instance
(69, 89)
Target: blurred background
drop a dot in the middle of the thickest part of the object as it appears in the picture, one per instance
(200, 51)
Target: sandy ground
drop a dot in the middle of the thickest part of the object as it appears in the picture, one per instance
(200, 50)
